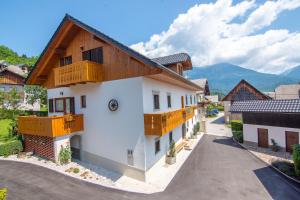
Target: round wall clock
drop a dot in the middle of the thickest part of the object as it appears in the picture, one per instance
(113, 105)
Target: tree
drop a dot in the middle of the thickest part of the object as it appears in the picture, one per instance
(35, 93)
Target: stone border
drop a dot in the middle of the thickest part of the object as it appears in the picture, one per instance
(274, 168)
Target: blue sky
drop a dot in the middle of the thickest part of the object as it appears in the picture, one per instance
(26, 27)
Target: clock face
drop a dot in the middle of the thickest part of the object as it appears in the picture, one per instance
(113, 105)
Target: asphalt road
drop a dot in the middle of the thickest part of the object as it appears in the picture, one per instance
(217, 169)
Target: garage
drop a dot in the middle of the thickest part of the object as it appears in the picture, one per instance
(291, 138)
(263, 138)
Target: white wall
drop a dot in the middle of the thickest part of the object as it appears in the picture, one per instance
(276, 133)
(109, 134)
(227, 106)
(150, 85)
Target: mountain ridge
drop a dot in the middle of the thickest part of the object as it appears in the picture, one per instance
(222, 77)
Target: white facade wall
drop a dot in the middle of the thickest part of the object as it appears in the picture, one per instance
(151, 86)
(227, 106)
(110, 134)
(276, 133)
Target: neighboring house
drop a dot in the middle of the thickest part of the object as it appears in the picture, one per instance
(243, 91)
(291, 91)
(115, 107)
(203, 83)
(12, 76)
(270, 94)
(267, 120)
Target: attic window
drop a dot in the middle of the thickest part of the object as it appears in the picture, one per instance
(95, 55)
(66, 61)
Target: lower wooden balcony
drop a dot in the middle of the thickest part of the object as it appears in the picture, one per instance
(78, 72)
(160, 124)
(54, 126)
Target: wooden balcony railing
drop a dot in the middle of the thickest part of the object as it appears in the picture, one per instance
(161, 123)
(50, 126)
(78, 72)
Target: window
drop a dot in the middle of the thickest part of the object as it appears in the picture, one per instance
(191, 99)
(95, 55)
(59, 105)
(156, 101)
(169, 100)
(186, 100)
(50, 105)
(170, 137)
(194, 99)
(83, 101)
(66, 61)
(157, 145)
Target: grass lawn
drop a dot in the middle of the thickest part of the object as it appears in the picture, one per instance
(4, 125)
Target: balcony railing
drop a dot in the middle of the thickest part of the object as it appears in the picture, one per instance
(161, 123)
(78, 72)
(50, 126)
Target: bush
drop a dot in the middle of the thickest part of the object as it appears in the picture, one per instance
(76, 170)
(3, 194)
(296, 158)
(236, 125)
(275, 146)
(220, 108)
(198, 126)
(11, 147)
(285, 167)
(172, 149)
(65, 155)
(238, 135)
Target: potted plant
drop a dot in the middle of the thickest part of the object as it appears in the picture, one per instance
(275, 147)
(171, 156)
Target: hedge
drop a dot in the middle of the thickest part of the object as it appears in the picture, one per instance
(8, 114)
(296, 158)
(10, 147)
(237, 130)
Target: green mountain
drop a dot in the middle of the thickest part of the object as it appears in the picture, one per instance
(13, 58)
(224, 76)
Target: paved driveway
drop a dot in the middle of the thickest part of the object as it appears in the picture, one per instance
(217, 169)
(216, 126)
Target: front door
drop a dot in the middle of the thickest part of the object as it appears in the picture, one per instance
(183, 127)
(291, 138)
(263, 139)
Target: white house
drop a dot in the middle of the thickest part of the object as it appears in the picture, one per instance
(113, 106)
(273, 119)
(291, 91)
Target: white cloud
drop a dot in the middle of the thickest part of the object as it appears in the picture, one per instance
(227, 32)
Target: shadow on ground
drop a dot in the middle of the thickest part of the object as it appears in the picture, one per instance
(227, 141)
(219, 120)
(277, 189)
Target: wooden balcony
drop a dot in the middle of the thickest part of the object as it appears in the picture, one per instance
(50, 126)
(162, 123)
(78, 72)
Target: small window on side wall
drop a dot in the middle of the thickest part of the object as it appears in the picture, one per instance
(157, 145)
(66, 61)
(59, 105)
(83, 101)
(50, 105)
(169, 100)
(156, 101)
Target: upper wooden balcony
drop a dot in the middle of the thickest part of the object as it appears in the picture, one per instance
(162, 123)
(78, 72)
(54, 126)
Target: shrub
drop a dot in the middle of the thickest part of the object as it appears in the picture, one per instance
(198, 126)
(64, 155)
(236, 125)
(296, 158)
(11, 147)
(275, 146)
(285, 167)
(172, 149)
(3, 194)
(76, 170)
(220, 108)
(238, 135)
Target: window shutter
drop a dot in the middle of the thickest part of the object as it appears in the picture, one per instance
(50, 105)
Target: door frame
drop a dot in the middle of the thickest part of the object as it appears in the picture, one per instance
(286, 146)
(258, 133)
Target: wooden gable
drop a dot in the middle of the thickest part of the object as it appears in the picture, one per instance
(72, 40)
(244, 91)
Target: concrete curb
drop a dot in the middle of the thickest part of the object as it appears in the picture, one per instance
(295, 181)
